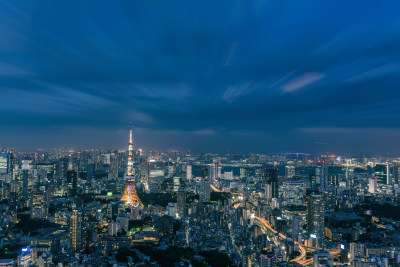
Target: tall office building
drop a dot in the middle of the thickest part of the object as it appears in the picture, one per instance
(268, 192)
(395, 172)
(90, 172)
(49, 168)
(114, 166)
(25, 179)
(205, 190)
(38, 204)
(259, 175)
(373, 185)
(335, 175)
(290, 171)
(63, 167)
(181, 199)
(293, 192)
(271, 176)
(4, 163)
(76, 228)
(321, 176)
(188, 172)
(315, 215)
(72, 181)
(382, 173)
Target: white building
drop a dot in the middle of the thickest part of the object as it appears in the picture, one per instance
(228, 175)
(373, 185)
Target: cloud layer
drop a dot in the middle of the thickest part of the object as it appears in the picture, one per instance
(191, 75)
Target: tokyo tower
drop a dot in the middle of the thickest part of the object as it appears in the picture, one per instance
(130, 196)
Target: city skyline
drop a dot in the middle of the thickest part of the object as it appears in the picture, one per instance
(199, 133)
(241, 77)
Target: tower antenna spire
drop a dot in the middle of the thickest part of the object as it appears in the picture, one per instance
(130, 196)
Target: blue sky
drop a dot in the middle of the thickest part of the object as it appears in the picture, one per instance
(246, 76)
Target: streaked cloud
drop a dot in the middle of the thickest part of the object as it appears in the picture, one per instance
(302, 81)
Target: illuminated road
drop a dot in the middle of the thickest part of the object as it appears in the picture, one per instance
(266, 224)
(334, 252)
(213, 188)
(299, 259)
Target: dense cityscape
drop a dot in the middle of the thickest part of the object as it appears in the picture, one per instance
(228, 133)
(148, 208)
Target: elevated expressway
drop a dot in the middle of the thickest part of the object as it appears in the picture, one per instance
(301, 259)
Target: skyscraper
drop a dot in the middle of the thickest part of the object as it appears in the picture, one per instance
(290, 171)
(72, 181)
(293, 192)
(188, 172)
(321, 176)
(259, 175)
(372, 185)
(38, 204)
(297, 227)
(315, 215)
(130, 196)
(382, 174)
(114, 165)
(4, 163)
(271, 176)
(76, 228)
(205, 190)
(63, 167)
(395, 172)
(216, 169)
(181, 199)
(90, 172)
(25, 179)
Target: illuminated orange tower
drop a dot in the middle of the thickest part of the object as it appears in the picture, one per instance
(130, 196)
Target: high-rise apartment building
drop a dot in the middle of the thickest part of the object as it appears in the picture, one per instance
(215, 169)
(76, 228)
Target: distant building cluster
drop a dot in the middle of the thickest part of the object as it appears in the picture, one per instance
(144, 208)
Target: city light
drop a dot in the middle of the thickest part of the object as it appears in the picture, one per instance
(223, 133)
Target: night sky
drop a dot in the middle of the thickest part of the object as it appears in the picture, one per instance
(218, 76)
